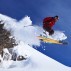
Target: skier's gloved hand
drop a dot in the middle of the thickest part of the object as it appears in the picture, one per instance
(51, 32)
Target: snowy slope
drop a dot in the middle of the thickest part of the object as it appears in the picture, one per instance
(35, 62)
(26, 37)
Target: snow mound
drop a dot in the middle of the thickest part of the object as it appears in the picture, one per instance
(35, 62)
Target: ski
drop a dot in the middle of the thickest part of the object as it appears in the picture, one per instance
(48, 40)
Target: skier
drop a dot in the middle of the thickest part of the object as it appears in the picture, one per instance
(48, 23)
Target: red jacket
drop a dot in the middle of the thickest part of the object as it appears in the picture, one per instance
(48, 21)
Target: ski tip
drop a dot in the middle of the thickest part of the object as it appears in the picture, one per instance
(65, 43)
